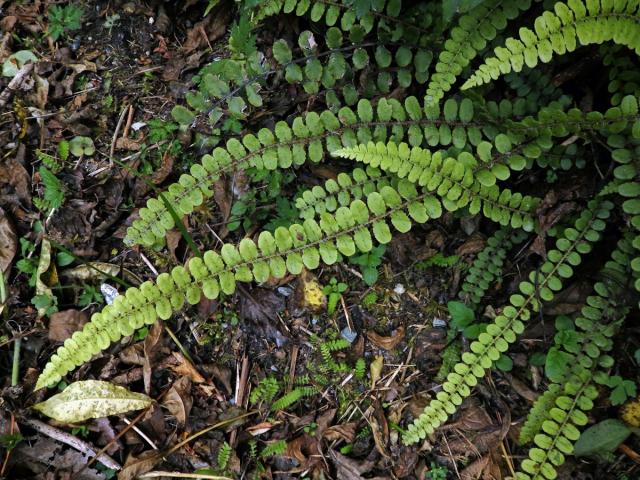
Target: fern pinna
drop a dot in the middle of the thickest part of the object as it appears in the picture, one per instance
(427, 140)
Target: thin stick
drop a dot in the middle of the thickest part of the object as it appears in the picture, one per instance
(141, 433)
(72, 441)
(507, 459)
(177, 342)
(115, 135)
(159, 473)
(15, 368)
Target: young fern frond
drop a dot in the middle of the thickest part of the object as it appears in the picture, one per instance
(265, 391)
(510, 323)
(450, 178)
(287, 250)
(224, 454)
(470, 36)
(487, 267)
(274, 448)
(570, 25)
(539, 413)
(308, 138)
(293, 396)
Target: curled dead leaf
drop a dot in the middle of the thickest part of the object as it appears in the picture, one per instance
(345, 432)
(178, 400)
(387, 343)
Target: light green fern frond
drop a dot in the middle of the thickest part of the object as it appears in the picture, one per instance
(570, 25)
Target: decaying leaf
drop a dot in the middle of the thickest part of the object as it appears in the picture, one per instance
(308, 294)
(388, 343)
(178, 400)
(8, 242)
(375, 369)
(631, 413)
(91, 399)
(43, 286)
(63, 324)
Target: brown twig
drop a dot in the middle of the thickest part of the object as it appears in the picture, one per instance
(73, 442)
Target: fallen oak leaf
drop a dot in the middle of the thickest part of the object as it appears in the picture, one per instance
(91, 399)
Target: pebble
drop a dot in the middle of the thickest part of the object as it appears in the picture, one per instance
(399, 289)
(108, 292)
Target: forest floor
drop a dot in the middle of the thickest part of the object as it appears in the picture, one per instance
(111, 81)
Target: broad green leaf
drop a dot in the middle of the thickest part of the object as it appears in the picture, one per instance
(87, 399)
(601, 438)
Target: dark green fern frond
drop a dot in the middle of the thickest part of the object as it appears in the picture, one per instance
(570, 25)
(487, 267)
(506, 327)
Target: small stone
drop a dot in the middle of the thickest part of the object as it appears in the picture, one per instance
(348, 334)
(399, 289)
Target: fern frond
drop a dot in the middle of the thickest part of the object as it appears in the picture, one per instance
(224, 454)
(287, 250)
(342, 191)
(450, 178)
(506, 326)
(293, 396)
(539, 413)
(360, 368)
(308, 138)
(274, 448)
(570, 25)
(487, 266)
(470, 36)
(265, 391)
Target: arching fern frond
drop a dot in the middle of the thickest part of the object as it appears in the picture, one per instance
(570, 24)
(507, 326)
(470, 36)
(287, 250)
(308, 138)
(450, 178)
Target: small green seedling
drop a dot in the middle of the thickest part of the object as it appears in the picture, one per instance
(334, 292)
(63, 20)
(81, 146)
(369, 263)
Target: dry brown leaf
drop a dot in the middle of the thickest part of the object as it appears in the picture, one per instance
(387, 343)
(178, 400)
(8, 242)
(185, 368)
(261, 428)
(14, 174)
(473, 244)
(346, 432)
(63, 324)
(484, 468)
(136, 466)
(349, 468)
(150, 347)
